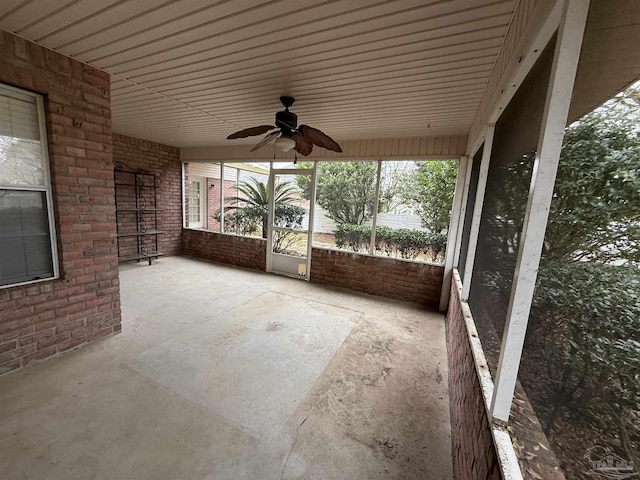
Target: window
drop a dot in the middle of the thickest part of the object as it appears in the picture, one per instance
(27, 233)
(197, 202)
(409, 205)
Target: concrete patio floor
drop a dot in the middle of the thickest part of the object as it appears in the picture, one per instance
(223, 373)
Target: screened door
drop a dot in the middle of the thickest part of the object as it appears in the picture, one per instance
(290, 225)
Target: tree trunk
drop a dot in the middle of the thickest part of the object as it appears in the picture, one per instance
(626, 440)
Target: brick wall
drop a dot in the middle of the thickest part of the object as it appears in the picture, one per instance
(164, 162)
(387, 277)
(474, 454)
(244, 252)
(43, 319)
(213, 199)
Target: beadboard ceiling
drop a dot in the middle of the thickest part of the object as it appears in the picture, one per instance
(190, 72)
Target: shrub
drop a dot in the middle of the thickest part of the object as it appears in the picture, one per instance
(401, 242)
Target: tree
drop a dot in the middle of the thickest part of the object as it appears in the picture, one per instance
(346, 190)
(585, 320)
(431, 190)
(595, 212)
(395, 179)
(255, 193)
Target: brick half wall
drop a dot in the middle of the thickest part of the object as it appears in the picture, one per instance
(387, 277)
(243, 252)
(399, 279)
(473, 450)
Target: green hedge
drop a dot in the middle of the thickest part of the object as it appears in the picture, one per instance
(394, 242)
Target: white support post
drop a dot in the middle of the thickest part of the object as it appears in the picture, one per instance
(477, 211)
(270, 216)
(374, 221)
(183, 177)
(456, 209)
(311, 219)
(565, 64)
(221, 197)
(463, 210)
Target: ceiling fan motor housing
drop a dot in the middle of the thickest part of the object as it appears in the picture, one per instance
(287, 121)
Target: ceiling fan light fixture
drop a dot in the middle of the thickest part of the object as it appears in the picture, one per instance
(285, 143)
(287, 134)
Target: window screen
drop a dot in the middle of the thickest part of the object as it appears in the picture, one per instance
(26, 227)
(503, 211)
(468, 216)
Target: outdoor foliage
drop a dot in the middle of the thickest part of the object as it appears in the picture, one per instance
(593, 357)
(596, 209)
(585, 320)
(431, 190)
(401, 242)
(241, 221)
(346, 190)
(246, 220)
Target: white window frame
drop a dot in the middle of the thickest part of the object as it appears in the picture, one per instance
(9, 91)
(202, 186)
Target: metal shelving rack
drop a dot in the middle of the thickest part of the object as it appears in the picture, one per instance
(136, 215)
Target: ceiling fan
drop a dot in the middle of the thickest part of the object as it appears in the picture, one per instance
(288, 135)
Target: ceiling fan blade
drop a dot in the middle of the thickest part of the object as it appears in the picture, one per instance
(267, 138)
(319, 138)
(250, 132)
(303, 146)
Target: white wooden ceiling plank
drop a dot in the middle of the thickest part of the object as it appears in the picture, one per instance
(308, 102)
(8, 6)
(64, 18)
(330, 44)
(29, 12)
(436, 79)
(353, 70)
(171, 115)
(275, 24)
(414, 119)
(128, 34)
(100, 28)
(315, 57)
(414, 65)
(301, 69)
(156, 36)
(358, 103)
(430, 80)
(427, 80)
(399, 108)
(425, 116)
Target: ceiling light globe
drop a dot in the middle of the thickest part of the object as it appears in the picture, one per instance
(285, 143)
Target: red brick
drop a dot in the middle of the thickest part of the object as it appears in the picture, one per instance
(74, 308)
(38, 355)
(69, 344)
(37, 337)
(100, 333)
(5, 347)
(9, 364)
(69, 326)
(78, 123)
(52, 341)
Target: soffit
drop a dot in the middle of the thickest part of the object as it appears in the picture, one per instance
(188, 73)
